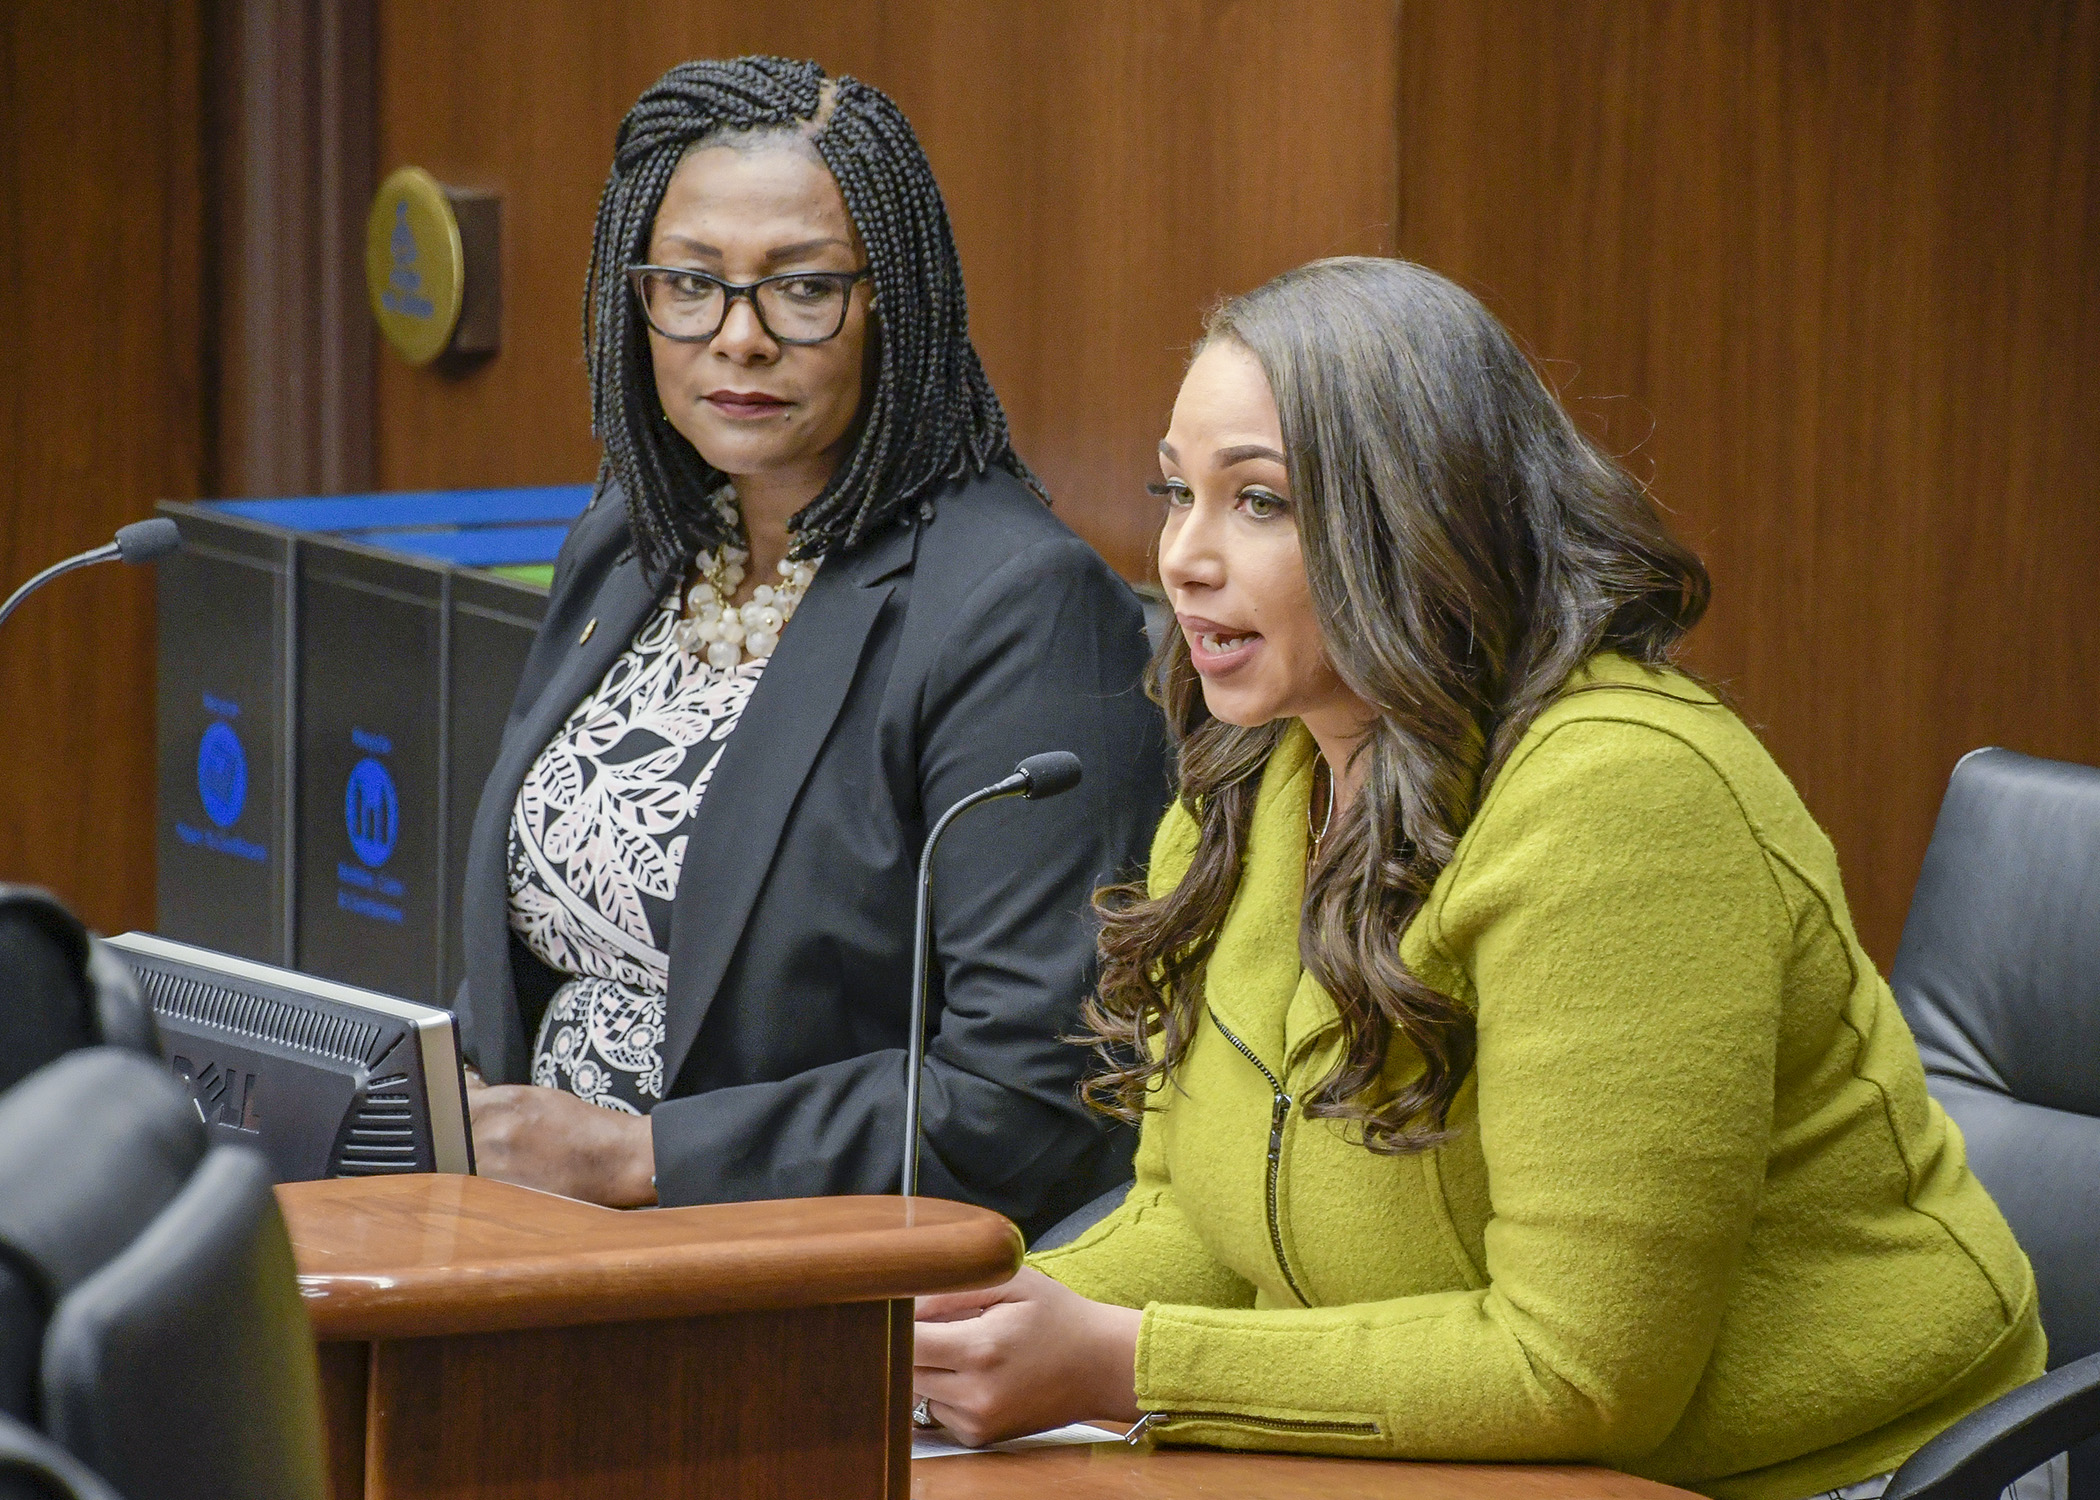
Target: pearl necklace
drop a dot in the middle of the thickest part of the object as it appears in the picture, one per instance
(727, 635)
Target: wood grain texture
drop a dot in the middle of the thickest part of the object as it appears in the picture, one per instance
(897, 1435)
(760, 1405)
(345, 1393)
(401, 1257)
(1112, 1471)
(100, 241)
(1831, 275)
(291, 105)
(1110, 174)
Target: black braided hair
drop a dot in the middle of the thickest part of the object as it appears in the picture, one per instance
(932, 416)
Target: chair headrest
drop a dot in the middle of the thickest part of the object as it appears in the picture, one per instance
(60, 988)
(1999, 969)
(92, 1147)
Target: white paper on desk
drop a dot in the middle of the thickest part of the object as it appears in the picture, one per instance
(933, 1442)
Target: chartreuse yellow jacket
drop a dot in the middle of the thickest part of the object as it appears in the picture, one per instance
(1700, 1220)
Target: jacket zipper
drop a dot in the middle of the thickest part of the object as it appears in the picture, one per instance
(1152, 1419)
(1279, 1111)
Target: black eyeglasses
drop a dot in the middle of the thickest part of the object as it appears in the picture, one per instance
(795, 307)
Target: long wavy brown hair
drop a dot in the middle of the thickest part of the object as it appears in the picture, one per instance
(1468, 548)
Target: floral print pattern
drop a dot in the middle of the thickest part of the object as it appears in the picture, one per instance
(597, 841)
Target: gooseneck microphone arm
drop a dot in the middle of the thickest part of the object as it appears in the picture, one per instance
(1035, 778)
(140, 542)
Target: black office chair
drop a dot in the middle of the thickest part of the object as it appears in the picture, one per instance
(185, 1369)
(60, 988)
(92, 1148)
(1999, 976)
(153, 1281)
(32, 1467)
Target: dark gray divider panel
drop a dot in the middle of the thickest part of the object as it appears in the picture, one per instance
(223, 834)
(328, 714)
(493, 623)
(372, 889)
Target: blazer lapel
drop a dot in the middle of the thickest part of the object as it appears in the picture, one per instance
(624, 601)
(490, 1020)
(733, 836)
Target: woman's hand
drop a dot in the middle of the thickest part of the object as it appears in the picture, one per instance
(1022, 1357)
(554, 1141)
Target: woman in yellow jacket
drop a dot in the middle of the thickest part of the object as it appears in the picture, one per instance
(1513, 1085)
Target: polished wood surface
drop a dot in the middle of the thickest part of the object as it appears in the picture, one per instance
(1112, 1471)
(345, 1398)
(405, 1257)
(1110, 172)
(102, 379)
(1830, 274)
(761, 1406)
(479, 1338)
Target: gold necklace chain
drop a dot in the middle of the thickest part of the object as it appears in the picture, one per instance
(1316, 835)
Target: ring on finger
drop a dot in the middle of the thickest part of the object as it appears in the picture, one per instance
(922, 1413)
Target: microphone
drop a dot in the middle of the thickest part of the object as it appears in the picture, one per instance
(1039, 776)
(140, 542)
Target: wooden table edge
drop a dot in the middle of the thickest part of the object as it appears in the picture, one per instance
(660, 1277)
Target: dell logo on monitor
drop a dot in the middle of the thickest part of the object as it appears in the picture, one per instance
(224, 1097)
(372, 811)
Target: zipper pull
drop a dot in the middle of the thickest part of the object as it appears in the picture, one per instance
(1279, 1112)
(1137, 1436)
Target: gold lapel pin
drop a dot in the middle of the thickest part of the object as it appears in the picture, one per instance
(586, 632)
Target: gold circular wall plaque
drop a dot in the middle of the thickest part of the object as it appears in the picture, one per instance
(415, 268)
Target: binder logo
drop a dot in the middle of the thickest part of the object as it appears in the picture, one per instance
(372, 811)
(222, 774)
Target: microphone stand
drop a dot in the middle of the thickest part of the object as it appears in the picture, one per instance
(102, 553)
(141, 541)
(1043, 775)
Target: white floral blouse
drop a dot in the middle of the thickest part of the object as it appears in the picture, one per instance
(597, 839)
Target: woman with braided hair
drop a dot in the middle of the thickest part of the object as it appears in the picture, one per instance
(817, 597)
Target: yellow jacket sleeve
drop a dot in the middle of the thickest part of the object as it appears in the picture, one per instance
(1147, 1249)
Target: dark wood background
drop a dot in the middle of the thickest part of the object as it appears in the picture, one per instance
(1829, 276)
(102, 411)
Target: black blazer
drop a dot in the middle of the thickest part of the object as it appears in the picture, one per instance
(920, 666)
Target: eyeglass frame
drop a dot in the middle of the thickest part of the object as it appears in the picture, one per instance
(748, 290)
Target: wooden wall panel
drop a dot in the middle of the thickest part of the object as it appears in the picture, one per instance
(527, 107)
(100, 245)
(1110, 173)
(1828, 274)
(1113, 172)
(289, 114)
(1832, 274)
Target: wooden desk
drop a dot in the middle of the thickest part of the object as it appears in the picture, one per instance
(479, 1338)
(1111, 1471)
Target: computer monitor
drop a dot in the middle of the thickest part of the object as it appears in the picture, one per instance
(326, 1079)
